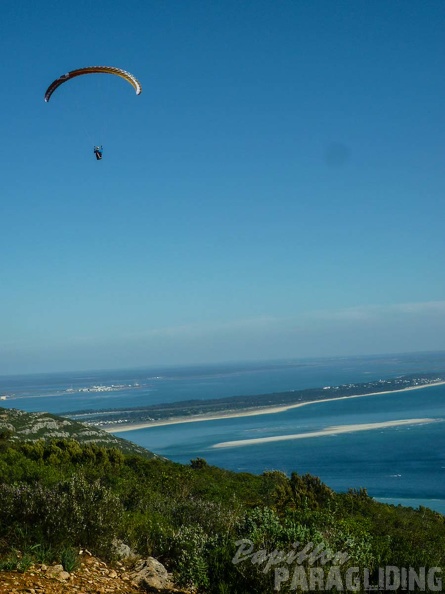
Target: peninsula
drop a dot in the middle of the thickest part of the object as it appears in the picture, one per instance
(117, 420)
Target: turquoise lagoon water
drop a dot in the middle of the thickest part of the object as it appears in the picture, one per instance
(403, 464)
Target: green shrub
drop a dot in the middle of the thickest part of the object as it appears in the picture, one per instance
(16, 561)
(72, 513)
(189, 557)
(70, 559)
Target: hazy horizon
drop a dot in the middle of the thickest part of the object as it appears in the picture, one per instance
(245, 362)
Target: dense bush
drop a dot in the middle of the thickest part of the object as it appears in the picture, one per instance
(73, 512)
(56, 497)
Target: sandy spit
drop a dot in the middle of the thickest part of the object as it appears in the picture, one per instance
(335, 430)
(264, 410)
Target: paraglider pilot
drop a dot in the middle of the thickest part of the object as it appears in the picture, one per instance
(98, 150)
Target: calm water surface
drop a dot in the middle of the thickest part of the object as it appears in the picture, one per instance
(399, 464)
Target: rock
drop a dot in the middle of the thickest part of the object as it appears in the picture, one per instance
(151, 576)
(63, 576)
(55, 570)
(121, 550)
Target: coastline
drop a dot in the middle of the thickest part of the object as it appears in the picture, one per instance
(264, 410)
(335, 430)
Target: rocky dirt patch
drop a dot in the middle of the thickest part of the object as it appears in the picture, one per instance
(91, 577)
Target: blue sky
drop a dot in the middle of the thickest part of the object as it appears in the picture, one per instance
(277, 190)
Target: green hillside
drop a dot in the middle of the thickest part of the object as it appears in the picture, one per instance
(23, 426)
(218, 531)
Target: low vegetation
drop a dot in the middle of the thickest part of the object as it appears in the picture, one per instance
(18, 425)
(218, 531)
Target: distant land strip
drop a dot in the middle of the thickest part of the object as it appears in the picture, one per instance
(337, 430)
(118, 420)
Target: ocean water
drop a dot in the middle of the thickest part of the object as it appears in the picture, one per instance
(59, 392)
(401, 464)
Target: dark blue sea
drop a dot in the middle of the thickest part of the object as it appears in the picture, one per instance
(402, 464)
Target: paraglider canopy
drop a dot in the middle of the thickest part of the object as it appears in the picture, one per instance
(93, 70)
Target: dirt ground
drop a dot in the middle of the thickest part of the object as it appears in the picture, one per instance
(91, 577)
